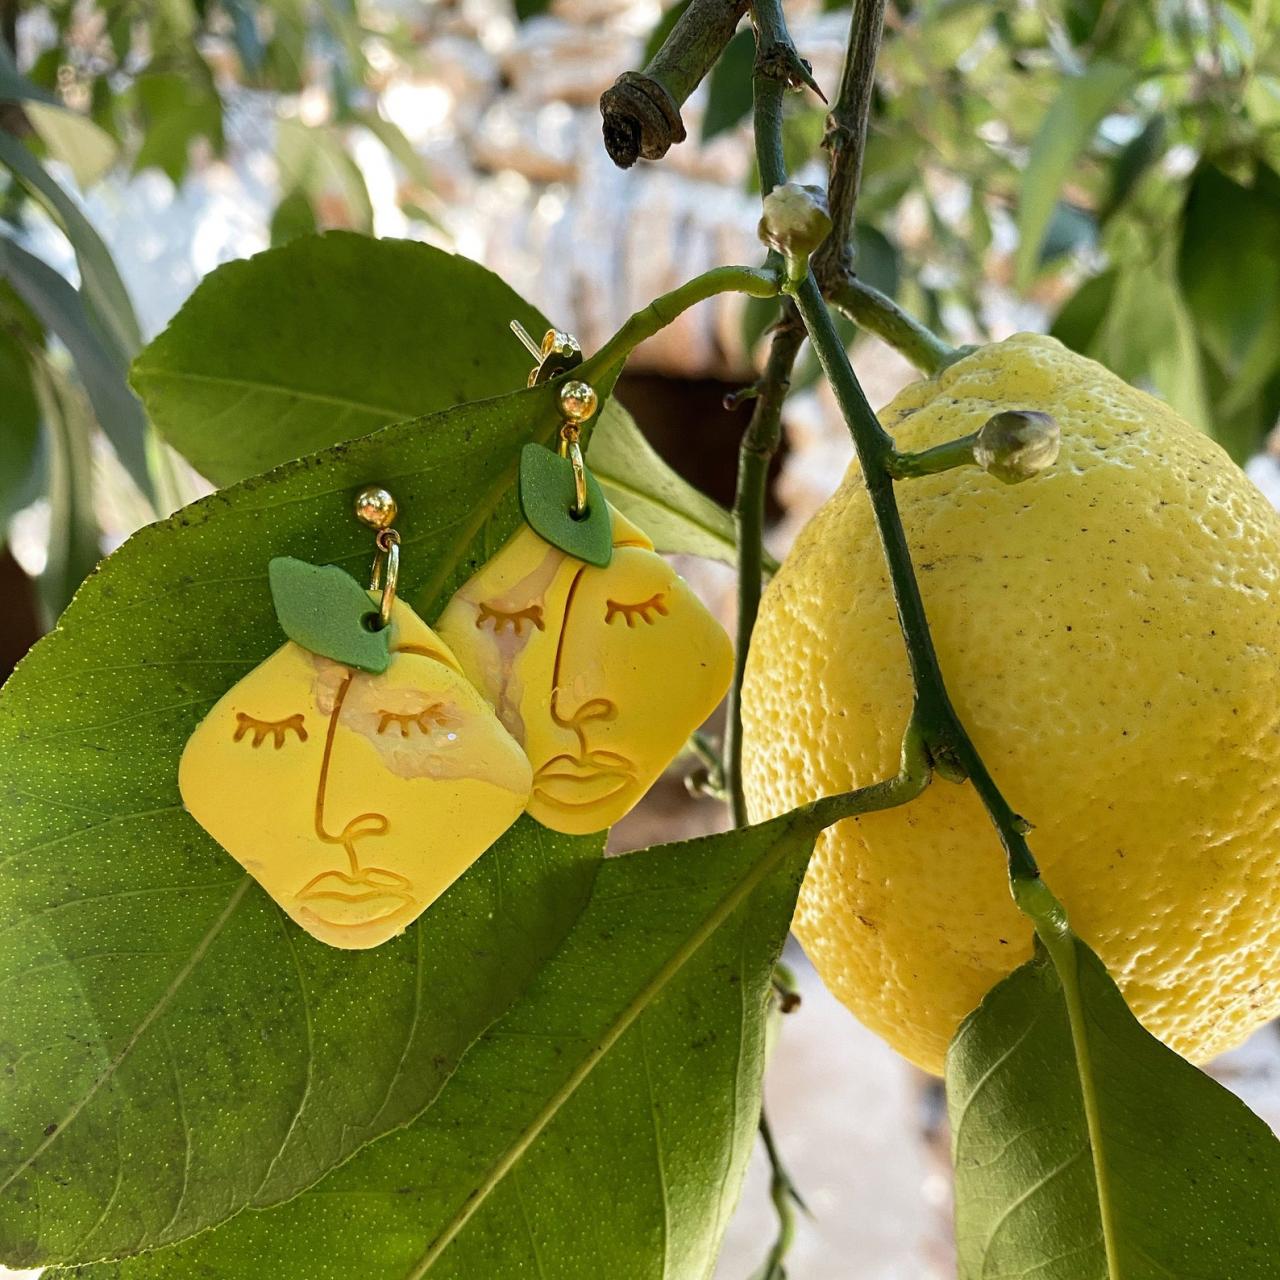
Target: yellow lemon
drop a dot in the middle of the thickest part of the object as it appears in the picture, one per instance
(1110, 635)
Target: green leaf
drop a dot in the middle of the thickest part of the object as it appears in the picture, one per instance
(1086, 1150)
(1083, 314)
(75, 541)
(99, 366)
(729, 87)
(14, 86)
(1070, 124)
(293, 217)
(639, 483)
(548, 494)
(1229, 270)
(601, 1128)
(100, 282)
(177, 108)
(324, 340)
(315, 159)
(1070, 229)
(662, 29)
(526, 9)
(1147, 337)
(180, 1051)
(86, 148)
(334, 336)
(1136, 158)
(19, 427)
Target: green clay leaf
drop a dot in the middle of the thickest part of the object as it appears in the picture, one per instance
(547, 495)
(324, 609)
(601, 1128)
(1086, 1150)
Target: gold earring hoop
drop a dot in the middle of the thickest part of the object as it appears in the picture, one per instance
(578, 402)
(376, 508)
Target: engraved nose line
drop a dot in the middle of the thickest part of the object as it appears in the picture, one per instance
(373, 824)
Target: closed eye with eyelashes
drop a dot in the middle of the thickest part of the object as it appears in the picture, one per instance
(647, 611)
(511, 619)
(404, 721)
(277, 730)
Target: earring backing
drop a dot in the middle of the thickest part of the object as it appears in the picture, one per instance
(376, 508)
(558, 353)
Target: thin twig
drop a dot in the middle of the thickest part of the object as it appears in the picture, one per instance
(759, 444)
(879, 314)
(786, 1199)
(756, 282)
(846, 137)
(764, 432)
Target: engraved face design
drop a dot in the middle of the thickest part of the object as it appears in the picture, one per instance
(601, 674)
(354, 799)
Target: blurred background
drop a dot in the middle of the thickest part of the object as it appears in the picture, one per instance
(1102, 169)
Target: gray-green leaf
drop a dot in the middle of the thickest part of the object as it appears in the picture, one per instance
(1072, 119)
(601, 1128)
(173, 1049)
(99, 365)
(1086, 1150)
(100, 282)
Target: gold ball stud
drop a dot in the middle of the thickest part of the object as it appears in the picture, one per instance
(375, 507)
(577, 401)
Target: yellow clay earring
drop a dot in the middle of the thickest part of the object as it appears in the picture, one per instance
(599, 668)
(355, 773)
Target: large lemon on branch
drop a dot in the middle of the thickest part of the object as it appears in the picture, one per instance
(1110, 635)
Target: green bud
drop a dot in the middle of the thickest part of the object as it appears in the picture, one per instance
(1015, 445)
(795, 222)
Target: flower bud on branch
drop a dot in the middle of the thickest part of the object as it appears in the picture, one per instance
(1016, 445)
(795, 223)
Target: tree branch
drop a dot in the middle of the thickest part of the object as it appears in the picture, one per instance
(756, 282)
(879, 314)
(764, 432)
(845, 140)
(935, 729)
(759, 444)
(642, 110)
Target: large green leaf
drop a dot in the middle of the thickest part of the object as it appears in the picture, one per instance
(173, 1049)
(1086, 1150)
(333, 336)
(323, 340)
(601, 1128)
(1068, 127)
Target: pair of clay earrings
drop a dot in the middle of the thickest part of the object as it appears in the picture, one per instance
(360, 769)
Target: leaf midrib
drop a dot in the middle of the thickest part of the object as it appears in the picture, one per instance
(144, 374)
(1065, 957)
(175, 985)
(642, 1000)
